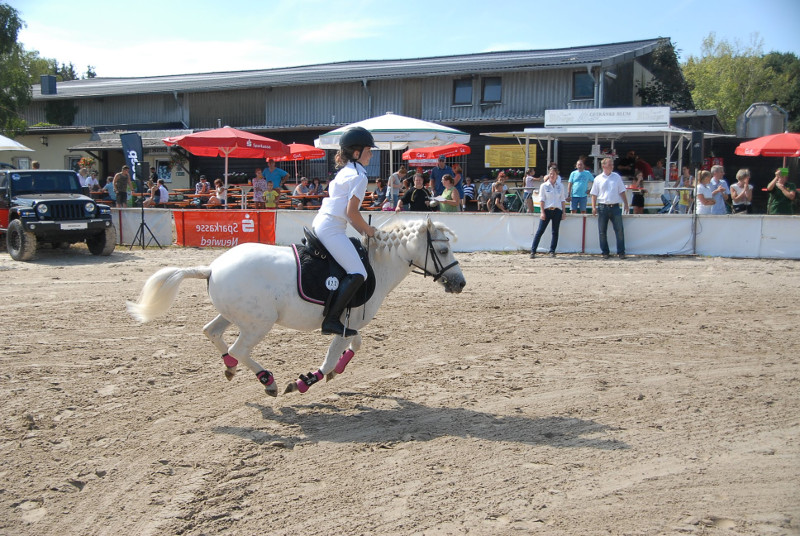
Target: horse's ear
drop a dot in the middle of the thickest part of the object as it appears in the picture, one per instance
(429, 223)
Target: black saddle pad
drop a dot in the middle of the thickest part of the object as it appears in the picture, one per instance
(318, 274)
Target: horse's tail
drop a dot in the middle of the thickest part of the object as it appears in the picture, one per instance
(160, 289)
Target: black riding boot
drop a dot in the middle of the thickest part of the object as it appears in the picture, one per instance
(331, 325)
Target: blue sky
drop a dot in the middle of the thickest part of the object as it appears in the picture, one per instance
(147, 38)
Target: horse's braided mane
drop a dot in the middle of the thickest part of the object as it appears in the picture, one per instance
(396, 233)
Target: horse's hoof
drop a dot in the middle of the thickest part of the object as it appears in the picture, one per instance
(272, 392)
(331, 375)
(230, 372)
(291, 387)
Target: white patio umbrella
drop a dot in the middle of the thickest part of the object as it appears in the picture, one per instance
(7, 144)
(395, 132)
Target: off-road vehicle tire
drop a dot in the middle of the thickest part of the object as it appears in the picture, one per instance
(103, 243)
(21, 244)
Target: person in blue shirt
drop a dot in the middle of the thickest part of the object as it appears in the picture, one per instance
(579, 186)
(275, 175)
(438, 172)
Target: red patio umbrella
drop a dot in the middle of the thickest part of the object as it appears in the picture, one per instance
(785, 144)
(429, 153)
(228, 142)
(300, 151)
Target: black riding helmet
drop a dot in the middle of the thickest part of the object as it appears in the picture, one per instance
(356, 138)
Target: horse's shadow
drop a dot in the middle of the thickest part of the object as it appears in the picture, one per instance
(409, 421)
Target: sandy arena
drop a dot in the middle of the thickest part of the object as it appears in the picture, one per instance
(553, 396)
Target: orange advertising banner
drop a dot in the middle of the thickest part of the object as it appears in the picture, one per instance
(224, 228)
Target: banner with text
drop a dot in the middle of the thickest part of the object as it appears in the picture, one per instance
(223, 228)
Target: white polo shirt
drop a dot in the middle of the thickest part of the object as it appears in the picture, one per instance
(551, 195)
(609, 189)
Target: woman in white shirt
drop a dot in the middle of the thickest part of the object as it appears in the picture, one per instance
(705, 194)
(342, 206)
(742, 193)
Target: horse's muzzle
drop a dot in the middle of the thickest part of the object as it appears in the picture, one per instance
(454, 285)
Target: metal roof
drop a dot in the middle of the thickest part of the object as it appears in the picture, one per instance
(151, 139)
(605, 55)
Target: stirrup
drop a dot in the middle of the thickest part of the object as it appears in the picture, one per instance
(337, 328)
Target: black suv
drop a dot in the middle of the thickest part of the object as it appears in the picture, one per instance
(48, 206)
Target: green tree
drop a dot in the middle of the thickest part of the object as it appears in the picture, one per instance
(729, 77)
(668, 86)
(14, 78)
(786, 67)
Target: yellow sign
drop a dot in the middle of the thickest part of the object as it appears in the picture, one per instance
(508, 156)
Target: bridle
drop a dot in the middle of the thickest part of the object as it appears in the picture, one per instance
(437, 264)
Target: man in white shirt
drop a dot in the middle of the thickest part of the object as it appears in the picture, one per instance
(552, 204)
(608, 191)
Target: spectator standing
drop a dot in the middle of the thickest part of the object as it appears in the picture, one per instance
(608, 191)
(637, 202)
(122, 183)
(552, 206)
(275, 174)
(259, 187)
(451, 200)
(437, 173)
(458, 180)
(781, 193)
(527, 191)
(742, 193)
(395, 184)
(580, 181)
(416, 198)
(685, 181)
(705, 194)
(721, 191)
(83, 177)
(271, 196)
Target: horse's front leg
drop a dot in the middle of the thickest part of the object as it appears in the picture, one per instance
(336, 359)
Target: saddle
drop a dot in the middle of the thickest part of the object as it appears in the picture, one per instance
(318, 273)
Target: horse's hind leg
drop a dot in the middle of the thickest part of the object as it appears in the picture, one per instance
(214, 331)
(242, 348)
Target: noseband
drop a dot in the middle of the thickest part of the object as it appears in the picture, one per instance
(437, 264)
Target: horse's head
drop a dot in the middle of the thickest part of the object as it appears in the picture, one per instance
(427, 247)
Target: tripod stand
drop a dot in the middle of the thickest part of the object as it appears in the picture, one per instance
(142, 228)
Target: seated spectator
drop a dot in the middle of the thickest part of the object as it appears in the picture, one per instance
(109, 189)
(659, 172)
(92, 183)
(163, 193)
(379, 195)
(220, 196)
(416, 198)
(484, 193)
(202, 188)
(301, 190)
(152, 191)
(469, 202)
(497, 201)
(316, 188)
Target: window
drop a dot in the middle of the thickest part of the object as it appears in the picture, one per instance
(582, 86)
(492, 89)
(462, 91)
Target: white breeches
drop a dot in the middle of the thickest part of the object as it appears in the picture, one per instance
(331, 232)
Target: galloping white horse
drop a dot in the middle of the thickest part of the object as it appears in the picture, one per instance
(254, 286)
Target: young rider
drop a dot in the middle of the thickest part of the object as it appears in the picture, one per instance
(343, 204)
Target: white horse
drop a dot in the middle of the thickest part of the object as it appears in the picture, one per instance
(254, 286)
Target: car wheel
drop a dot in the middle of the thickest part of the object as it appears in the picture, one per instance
(21, 244)
(103, 243)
